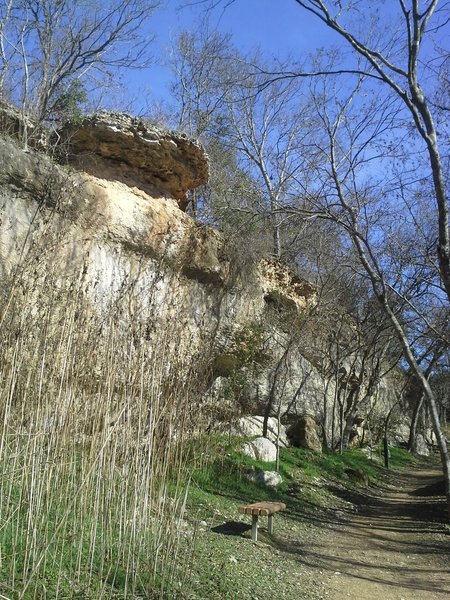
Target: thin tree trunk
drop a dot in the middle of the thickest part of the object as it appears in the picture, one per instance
(276, 237)
(412, 440)
(429, 396)
(348, 427)
(278, 437)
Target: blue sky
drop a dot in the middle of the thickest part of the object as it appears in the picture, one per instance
(278, 27)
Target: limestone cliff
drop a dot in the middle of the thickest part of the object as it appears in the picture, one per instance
(122, 148)
(108, 226)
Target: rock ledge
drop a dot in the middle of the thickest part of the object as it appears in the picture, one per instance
(117, 146)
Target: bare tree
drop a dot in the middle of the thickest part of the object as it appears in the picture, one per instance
(269, 129)
(396, 63)
(265, 132)
(367, 214)
(201, 62)
(50, 47)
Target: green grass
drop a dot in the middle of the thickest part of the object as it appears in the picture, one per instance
(228, 565)
(225, 476)
(212, 564)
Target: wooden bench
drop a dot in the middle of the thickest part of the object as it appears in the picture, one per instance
(261, 509)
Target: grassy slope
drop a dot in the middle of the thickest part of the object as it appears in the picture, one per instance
(218, 559)
(226, 564)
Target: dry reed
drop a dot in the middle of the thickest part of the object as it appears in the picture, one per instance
(94, 412)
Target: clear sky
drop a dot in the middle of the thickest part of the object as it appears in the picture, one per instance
(278, 27)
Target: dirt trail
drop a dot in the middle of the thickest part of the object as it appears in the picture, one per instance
(395, 547)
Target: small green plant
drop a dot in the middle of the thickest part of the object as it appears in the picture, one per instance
(68, 105)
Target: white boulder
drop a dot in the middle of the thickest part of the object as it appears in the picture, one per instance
(269, 478)
(264, 449)
(253, 427)
(249, 450)
(421, 446)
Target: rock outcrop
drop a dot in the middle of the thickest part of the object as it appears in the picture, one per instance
(261, 449)
(112, 230)
(303, 434)
(119, 147)
(120, 240)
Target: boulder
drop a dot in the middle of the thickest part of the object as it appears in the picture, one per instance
(430, 437)
(269, 478)
(117, 146)
(249, 450)
(303, 434)
(253, 427)
(261, 449)
(14, 123)
(421, 446)
(400, 436)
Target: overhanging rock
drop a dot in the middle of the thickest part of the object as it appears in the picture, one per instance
(117, 146)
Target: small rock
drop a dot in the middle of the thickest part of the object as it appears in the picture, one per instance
(269, 478)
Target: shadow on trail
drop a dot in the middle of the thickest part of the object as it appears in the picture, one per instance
(396, 538)
(429, 508)
(415, 578)
(434, 489)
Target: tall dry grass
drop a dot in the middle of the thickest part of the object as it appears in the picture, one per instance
(95, 408)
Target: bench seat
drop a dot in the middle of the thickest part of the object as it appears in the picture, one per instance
(261, 509)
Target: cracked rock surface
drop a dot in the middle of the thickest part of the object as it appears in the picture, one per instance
(117, 146)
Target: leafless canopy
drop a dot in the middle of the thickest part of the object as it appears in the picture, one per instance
(49, 47)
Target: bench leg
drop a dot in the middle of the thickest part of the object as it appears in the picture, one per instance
(255, 528)
(270, 524)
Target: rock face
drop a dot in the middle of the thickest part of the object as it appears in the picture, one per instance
(121, 241)
(117, 146)
(112, 230)
(303, 434)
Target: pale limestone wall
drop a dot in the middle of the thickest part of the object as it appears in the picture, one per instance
(61, 227)
(113, 237)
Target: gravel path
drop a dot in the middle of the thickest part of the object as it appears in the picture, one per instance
(395, 546)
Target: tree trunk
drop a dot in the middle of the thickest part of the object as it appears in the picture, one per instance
(348, 427)
(278, 437)
(429, 396)
(325, 416)
(273, 389)
(353, 403)
(412, 440)
(276, 238)
(341, 428)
